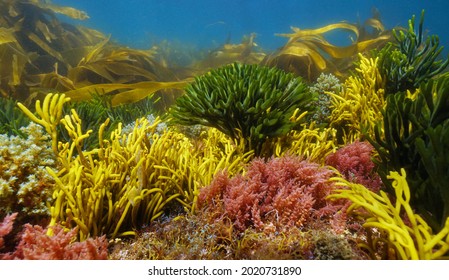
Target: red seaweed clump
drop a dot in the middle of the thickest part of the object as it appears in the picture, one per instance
(281, 192)
(354, 162)
(36, 244)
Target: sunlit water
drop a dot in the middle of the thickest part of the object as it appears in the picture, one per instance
(205, 24)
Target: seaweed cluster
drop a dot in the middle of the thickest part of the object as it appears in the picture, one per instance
(248, 103)
(130, 177)
(414, 135)
(414, 58)
(45, 55)
(410, 237)
(248, 161)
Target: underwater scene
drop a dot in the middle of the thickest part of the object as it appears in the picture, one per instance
(224, 130)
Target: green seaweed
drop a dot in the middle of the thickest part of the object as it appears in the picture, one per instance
(247, 102)
(412, 59)
(414, 135)
(11, 118)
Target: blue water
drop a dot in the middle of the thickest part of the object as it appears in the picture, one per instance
(210, 23)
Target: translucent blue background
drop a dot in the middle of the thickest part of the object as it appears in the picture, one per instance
(207, 24)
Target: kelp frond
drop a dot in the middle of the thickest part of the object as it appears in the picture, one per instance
(247, 52)
(307, 52)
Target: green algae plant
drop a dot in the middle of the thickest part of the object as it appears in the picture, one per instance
(11, 118)
(412, 59)
(413, 135)
(250, 103)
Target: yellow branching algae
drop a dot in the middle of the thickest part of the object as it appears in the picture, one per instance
(50, 114)
(311, 142)
(408, 234)
(359, 106)
(128, 180)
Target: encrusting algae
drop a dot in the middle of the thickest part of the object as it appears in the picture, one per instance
(238, 159)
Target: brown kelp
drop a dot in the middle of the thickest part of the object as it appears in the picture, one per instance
(33, 40)
(247, 52)
(45, 55)
(307, 53)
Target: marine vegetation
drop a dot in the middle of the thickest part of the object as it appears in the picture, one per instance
(11, 118)
(413, 135)
(128, 154)
(249, 103)
(32, 49)
(35, 244)
(128, 179)
(307, 52)
(412, 59)
(247, 52)
(206, 237)
(402, 230)
(325, 84)
(278, 193)
(25, 185)
(45, 55)
(358, 107)
(98, 109)
(354, 162)
(310, 142)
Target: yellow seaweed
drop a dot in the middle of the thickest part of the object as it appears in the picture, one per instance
(129, 179)
(50, 114)
(411, 240)
(311, 143)
(359, 106)
(128, 92)
(7, 36)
